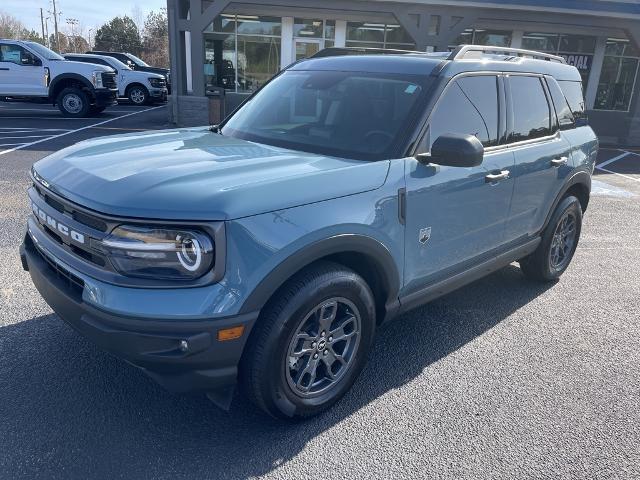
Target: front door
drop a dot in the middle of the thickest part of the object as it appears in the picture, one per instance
(456, 216)
(306, 48)
(18, 74)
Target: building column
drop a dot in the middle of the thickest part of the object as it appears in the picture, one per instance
(287, 56)
(516, 39)
(594, 74)
(341, 33)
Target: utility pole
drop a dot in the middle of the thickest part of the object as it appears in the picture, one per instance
(44, 39)
(55, 25)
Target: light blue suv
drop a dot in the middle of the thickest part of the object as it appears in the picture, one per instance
(267, 250)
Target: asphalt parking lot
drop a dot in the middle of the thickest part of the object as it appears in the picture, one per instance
(502, 379)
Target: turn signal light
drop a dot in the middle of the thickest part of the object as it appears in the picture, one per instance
(230, 333)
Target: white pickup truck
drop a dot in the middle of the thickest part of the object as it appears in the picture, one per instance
(30, 70)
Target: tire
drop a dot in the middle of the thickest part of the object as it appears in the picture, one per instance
(73, 102)
(95, 110)
(559, 242)
(274, 373)
(138, 95)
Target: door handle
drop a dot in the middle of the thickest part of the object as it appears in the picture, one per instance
(556, 162)
(496, 177)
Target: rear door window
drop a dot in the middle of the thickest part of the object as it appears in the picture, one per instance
(470, 106)
(530, 109)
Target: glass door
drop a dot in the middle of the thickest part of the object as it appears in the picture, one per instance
(305, 48)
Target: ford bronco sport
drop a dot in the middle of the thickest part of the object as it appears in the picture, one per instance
(266, 250)
(30, 70)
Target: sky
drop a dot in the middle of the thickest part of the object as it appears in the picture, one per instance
(89, 13)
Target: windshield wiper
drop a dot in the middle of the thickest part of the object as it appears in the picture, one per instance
(215, 129)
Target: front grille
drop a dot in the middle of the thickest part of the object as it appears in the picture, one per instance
(77, 215)
(75, 283)
(109, 80)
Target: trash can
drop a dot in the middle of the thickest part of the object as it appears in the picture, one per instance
(216, 104)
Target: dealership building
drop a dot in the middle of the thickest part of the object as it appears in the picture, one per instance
(236, 47)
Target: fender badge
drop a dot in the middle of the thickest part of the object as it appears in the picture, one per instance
(424, 235)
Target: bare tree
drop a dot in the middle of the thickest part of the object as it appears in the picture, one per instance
(11, 27)
(155, 40)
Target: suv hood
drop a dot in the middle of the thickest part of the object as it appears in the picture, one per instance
(194, 174)
(158, 70)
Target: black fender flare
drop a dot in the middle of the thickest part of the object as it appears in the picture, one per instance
(581, 177)
(68, 76)
(372, 249)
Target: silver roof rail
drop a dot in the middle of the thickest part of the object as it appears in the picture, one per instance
(461, 51)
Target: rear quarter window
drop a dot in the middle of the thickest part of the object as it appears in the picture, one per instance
(573, 93)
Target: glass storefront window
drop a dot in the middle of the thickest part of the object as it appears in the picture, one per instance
(378, 35)
(621, 47)
(577, 50)
(242, 52)
(303, 27)
(541, 42)
(577, 44)
(618, 76)
(254, 25)
(365, 32)
(258, 61)
(494, 38)
(397, 34)
(330, 29)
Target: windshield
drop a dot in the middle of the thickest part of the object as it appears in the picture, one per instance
(346, 114)
(137, 60)
(44, 51)
(115, 63)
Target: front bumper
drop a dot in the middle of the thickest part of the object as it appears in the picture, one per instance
(105, 97)
(158, 94)
(206, 364)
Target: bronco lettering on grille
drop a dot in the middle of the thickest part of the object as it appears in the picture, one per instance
(56, 226)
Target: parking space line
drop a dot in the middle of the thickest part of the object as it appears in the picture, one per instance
(3, 152)
(7, 144)
(610, 171)
(25, 136)
(614, 159)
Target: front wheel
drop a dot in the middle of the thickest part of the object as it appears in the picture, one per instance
(73, 102)
(311, 343)
(138, 95)
(559, 243)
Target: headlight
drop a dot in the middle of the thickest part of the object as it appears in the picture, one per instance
(97, 79)
(159, 253)
(156, 82)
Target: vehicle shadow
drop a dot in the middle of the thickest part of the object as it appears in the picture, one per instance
(67, 410)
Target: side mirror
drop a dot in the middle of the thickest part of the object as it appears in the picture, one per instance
(454, 150)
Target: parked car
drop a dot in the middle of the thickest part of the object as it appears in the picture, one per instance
(139, 87)
(267, 250)
(30, 71)
(138, 64)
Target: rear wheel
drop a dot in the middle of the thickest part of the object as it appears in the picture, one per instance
(310, 344)
(73, 102)
(559, 243)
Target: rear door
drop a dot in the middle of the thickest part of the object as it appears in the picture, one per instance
(456, 216)
(542, 154)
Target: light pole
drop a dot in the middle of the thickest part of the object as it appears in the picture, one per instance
(90, 44)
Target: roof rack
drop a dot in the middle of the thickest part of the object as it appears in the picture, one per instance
(461, 51)
(339, 51)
